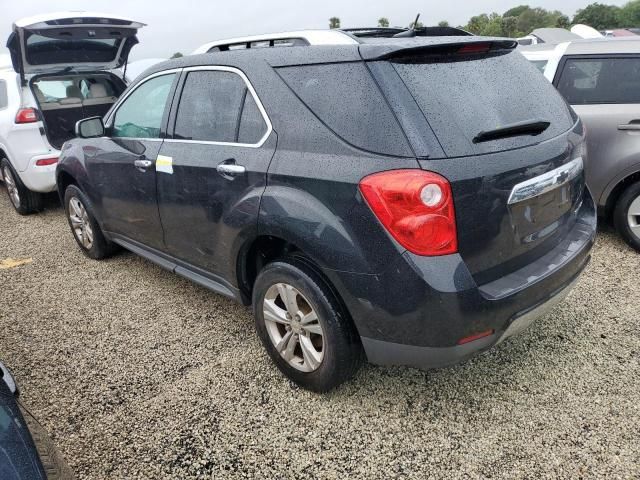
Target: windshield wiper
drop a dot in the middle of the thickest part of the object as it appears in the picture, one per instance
(528, 127)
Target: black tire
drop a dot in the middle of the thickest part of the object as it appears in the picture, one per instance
(99, 246)
(25, 201)
(342, 350)
(621, 214)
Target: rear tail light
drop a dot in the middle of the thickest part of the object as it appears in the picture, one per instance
(27, 115)
(43, 162)
(416, 208)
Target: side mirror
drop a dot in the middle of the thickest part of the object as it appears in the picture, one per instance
(90, 128)
(6, 377)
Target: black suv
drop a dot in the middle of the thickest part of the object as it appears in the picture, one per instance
(413, 201)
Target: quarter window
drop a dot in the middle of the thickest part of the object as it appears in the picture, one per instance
(141, 113)
(602, 80)
(4, 99)
(216, 106)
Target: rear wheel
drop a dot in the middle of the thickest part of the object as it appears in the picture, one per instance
(23, 200)
(84, 225)
(626, 215)
(303, 328)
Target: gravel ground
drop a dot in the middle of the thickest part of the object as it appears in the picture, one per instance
(138, 373)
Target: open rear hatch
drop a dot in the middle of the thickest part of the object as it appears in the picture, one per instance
(507, 142)
(71, 41)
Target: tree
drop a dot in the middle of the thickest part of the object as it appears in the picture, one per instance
(443, 23)
(516, 11)
(630, 14)
(383, 22)
(334, 22)
(510, 26)
(416, 25)
(599, 16)
(563, 22)
(177, 55)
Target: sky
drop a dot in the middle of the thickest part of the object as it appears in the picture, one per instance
(183, 25)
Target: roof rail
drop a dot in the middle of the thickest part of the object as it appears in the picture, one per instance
(284, 39)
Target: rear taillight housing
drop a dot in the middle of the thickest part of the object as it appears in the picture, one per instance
(416, 208)
(27, 115)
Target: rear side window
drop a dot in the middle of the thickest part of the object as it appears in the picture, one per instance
(217, 106)
(345, 97)
(462, 97)
(4, 99)
(141, 113)
(600, 80)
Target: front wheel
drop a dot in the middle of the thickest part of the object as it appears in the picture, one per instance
(626, 216)
(305, 331)
(23, 200)
(84, 225)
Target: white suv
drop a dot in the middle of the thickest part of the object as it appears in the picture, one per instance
(64, 67)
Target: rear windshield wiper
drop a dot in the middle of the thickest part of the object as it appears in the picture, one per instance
(528, 127)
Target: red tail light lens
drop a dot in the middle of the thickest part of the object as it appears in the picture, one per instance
(43, 162)
(27, 115)
(416, 208)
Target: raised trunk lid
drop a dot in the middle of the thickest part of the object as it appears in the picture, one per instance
(79, 41)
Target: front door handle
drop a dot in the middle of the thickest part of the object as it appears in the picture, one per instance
(230, 169)
(143, 163)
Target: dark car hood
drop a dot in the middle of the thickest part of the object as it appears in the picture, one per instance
(18, 455)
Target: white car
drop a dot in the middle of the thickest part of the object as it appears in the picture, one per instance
(64, 67)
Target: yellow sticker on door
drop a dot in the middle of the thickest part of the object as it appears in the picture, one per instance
(164, 164)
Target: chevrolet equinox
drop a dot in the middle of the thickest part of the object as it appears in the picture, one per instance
(411, 201)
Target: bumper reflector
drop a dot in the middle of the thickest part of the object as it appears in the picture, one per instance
(43, 162)
(475, 336)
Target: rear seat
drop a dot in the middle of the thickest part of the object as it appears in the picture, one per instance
(98, 102)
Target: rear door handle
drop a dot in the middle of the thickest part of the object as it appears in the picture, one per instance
(631, 126)
(143, 163)
(230, 169)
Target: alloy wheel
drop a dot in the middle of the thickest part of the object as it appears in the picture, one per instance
(293, 327)
(12, 188)
(633, 217)
(80, 223)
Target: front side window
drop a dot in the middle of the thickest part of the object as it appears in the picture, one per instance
(141, 113)
(216, 106)
(600, 80)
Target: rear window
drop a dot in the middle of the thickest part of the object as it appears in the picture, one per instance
(345, 97)
(461, 98)
(603, 80)
(42, 50)
(540, 64)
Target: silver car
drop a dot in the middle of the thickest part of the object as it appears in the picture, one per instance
(600, 78)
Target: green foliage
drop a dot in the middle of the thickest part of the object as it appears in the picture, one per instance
(600, 16)
(443, 23)
(177, 55)
(383, 22)
(334, 22)
(630, 14)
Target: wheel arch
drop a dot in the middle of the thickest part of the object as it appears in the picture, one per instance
(262, 250)
(617, 189)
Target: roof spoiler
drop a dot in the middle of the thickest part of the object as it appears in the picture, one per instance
(465, 47)
(390, 32)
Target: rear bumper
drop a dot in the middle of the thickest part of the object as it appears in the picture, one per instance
(418, 311)
(40, 178)
(389, 353)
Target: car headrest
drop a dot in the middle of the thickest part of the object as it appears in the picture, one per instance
(73, 91)
(97, 90)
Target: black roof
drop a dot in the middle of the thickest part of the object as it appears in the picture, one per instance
(369, 48)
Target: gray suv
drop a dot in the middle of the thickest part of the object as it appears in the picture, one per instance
(601, 80)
